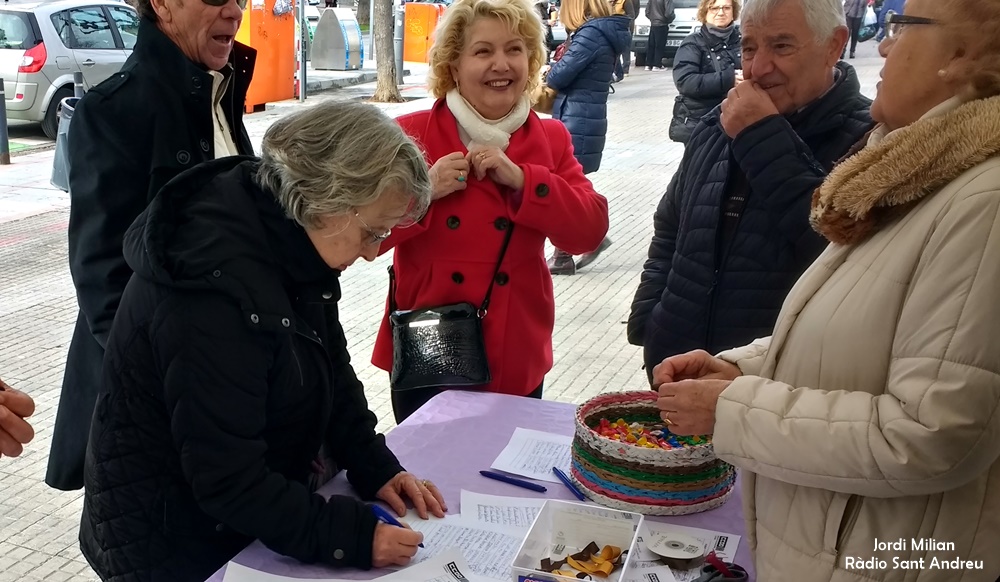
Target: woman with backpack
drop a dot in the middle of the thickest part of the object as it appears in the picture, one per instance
(707, 65)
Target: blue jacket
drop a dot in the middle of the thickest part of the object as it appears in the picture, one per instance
(582, 77)
(695, 293)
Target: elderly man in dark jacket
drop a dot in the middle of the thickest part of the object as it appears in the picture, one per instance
(731, 234)
(177, 101)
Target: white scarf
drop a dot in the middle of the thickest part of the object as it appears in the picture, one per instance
(482, 131)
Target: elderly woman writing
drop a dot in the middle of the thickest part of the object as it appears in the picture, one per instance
(497, 169)
(870, 415)
(227, 368)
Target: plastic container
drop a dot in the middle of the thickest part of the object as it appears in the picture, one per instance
(563, 528)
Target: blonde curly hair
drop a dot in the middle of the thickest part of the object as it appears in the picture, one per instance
(970, 19)
(450, 38)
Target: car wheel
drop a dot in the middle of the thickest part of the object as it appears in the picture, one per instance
(50, 123)
(640, 59)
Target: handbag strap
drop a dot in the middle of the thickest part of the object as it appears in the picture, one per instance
(489, 291)
(496, 271)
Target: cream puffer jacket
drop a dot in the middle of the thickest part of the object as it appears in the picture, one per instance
(872, 414)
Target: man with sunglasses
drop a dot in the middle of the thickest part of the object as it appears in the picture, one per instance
(178, 101)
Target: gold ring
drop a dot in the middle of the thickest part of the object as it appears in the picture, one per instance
(426, 483)
(481, 155)
(666, 419)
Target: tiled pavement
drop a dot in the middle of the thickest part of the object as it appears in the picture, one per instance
(38, 526)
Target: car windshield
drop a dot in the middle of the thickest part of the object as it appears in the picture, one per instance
(15, 31)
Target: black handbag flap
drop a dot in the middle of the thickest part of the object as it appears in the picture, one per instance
(432, 315)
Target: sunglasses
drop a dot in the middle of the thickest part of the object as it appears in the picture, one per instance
(894, 23)
(241, 3)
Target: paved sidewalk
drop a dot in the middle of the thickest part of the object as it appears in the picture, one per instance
(38, 526)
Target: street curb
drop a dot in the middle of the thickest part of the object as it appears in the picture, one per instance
(313, 86)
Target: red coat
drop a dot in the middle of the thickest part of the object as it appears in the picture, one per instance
(449, 256)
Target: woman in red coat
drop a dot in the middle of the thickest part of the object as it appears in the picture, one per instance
(494, 163)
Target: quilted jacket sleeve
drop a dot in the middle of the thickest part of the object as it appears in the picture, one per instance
(934, 426)
(218, 410)
(583, 48)
(561, 202)
(750, 358)
(782, 168)
(656, 269)
(351, 435)
(698, 82)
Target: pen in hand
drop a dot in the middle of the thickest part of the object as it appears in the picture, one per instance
(387, 518)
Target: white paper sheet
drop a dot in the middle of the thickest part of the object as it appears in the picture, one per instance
(649, 572)
(489, 550)
(448, 566)
(240, 573)
(532, 454)
(499, 510)
(723, 544)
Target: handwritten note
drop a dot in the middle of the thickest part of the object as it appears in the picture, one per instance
(517, 512)
(532, 454)
(489, 550)
(448, 566)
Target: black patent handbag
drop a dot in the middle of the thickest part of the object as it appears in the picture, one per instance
(440, 347)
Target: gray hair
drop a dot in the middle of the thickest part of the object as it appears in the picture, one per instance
(823, 16)
(336, 156)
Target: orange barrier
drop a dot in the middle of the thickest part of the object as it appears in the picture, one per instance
(274, 38)
(420, 21)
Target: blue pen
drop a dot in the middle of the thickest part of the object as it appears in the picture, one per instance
(569, 484)
(386, 517)
(513, 481)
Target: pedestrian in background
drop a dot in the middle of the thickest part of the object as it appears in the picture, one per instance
(660, 14)
(495, 166)
(854, 10)
(15, 432)
(707, 65)
(628, 8)
(582, 79)
(177, 101)
(227, 365)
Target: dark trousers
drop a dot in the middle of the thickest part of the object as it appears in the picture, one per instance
(854, 24)
(406, 402)
(624, 61)
(657, 49)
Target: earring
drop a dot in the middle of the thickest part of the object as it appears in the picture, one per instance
(942, 73)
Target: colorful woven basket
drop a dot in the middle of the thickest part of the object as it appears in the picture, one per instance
(652, 481)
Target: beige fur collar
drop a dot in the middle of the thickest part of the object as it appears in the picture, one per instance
(888, 176)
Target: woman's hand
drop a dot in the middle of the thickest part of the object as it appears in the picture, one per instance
(694, 365)
(688, 406)
(15, 406)
(424, 495)
(449, 174)
(394, 546)
(492, 161)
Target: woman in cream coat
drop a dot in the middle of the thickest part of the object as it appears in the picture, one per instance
(868, 426)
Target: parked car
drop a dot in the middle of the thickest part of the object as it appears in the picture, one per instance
(43, 43)
(685, 22)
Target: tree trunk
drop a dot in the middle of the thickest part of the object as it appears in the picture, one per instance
(364, 15)
(386, 90)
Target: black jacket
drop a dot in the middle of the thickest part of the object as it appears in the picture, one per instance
(226, 369)
(695, 293)
(660, 12)
(704, 72)
(130, 135)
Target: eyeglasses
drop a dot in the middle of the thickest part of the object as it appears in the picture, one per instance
(374, 237)
(241, 3)
(720, 9)
(894, 23)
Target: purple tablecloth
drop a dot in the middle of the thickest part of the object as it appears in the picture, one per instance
(449, 441)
